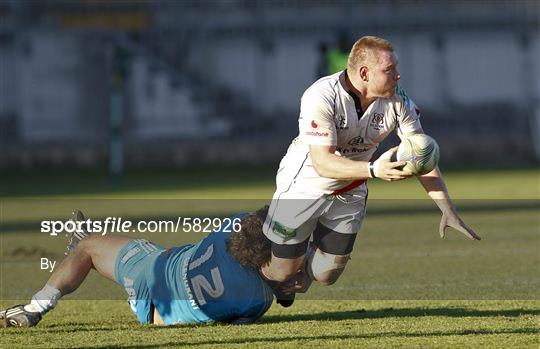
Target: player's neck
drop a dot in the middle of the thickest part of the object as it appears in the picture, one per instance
(360, 91)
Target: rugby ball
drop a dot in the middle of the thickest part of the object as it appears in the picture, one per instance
(420, 151)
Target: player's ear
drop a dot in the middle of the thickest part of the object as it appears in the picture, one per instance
(364, 73)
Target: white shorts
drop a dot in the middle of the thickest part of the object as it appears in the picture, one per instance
(293, 215)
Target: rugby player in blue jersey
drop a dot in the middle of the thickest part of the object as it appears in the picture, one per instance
(215, 280)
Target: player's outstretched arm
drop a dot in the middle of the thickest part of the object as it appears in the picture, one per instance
(435, 186)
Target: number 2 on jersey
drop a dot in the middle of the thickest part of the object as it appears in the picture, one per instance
(199, 283)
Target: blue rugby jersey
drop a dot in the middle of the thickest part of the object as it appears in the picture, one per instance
(204, 282)
(222, 288)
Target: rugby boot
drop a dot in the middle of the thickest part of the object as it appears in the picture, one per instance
(17, 316)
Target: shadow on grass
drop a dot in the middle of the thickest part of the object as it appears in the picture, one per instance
(283, 340)
(324, 316)
(400, 312)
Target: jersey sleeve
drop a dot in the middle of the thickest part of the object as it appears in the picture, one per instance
(408, 118)
(258, 306)
(316, 121)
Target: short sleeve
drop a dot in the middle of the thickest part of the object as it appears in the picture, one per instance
(258, 306)
(408, 116)
(316, 122)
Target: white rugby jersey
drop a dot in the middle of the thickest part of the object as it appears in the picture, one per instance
(330, 114)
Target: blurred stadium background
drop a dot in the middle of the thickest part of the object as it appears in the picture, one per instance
(199, 100)
(93, 83)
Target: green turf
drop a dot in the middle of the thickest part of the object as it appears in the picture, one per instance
(347, 324)
(404, 287)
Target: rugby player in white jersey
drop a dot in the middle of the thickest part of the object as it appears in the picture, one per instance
(321, 181)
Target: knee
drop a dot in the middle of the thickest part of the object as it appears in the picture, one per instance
(327, 268)
(87, 245)
(281, 269)
(328, 278)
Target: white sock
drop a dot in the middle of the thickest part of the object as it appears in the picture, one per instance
(44, 300)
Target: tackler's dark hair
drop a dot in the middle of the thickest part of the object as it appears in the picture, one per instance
(249, 246)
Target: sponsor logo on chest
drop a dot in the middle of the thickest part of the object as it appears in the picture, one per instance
(354, 145)
(356, 141)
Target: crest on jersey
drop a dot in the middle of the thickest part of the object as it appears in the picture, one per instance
(314, 124)
(377, 121)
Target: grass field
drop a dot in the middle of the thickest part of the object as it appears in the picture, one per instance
(404, 287)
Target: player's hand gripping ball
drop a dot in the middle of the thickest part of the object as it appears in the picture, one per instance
(420, 151)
